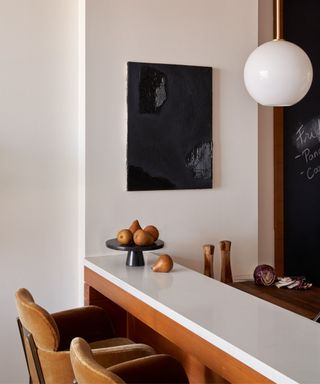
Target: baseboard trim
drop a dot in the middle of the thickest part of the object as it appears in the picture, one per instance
(239, 278)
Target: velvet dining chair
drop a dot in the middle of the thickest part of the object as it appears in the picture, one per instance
(152, 369)
(46, 338)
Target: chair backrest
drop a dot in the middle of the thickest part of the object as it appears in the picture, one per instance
(159, 368)
(86, 369)
(37, 321)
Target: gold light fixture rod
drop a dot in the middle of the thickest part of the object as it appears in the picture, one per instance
(279, 27)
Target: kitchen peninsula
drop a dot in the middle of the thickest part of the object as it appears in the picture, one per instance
(209, 326)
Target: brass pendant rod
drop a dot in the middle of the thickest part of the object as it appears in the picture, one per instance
(278, 20)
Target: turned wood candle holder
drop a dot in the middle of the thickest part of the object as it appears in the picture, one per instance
(226, 274)
(208, 251)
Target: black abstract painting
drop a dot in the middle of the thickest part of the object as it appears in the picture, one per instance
(169, 127)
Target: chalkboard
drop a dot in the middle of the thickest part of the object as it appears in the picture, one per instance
(301, 151)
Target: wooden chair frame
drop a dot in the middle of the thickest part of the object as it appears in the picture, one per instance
(24, 333)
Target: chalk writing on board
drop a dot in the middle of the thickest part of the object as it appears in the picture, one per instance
(307, 144)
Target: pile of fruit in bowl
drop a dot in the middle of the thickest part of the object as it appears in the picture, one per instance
(135, 235)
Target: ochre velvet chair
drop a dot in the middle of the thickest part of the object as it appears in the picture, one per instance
(46, 338)
(143, 370)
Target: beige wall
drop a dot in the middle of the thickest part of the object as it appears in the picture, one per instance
(38, 163)
(42, 142)
(265, 151)
(213, 33)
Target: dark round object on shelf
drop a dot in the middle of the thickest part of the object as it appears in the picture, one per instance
(264, 275)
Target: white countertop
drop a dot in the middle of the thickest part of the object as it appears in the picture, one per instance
(279, 344)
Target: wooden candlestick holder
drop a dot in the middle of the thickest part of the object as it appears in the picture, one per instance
(208, 251)
(226, 274)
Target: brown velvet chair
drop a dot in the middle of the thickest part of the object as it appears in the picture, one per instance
(46, 338)
(144, 370)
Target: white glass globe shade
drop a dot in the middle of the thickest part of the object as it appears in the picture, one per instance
(278, 73)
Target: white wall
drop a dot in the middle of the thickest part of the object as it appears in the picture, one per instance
(38, 163)
(213, 33)
(265, 146)
(41, 169)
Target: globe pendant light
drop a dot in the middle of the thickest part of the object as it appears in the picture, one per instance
(278, 73)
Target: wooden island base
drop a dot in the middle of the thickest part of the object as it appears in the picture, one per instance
(129, 326)
(203, 362)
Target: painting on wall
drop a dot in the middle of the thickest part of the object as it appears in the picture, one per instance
(169, 127)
